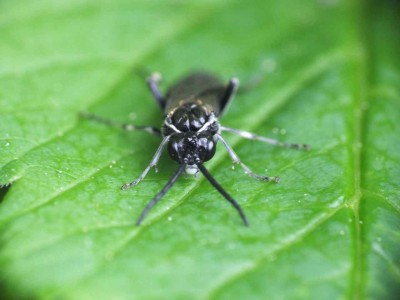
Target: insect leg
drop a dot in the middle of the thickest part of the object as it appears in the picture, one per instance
(230, 92)
(160, 194)
(152, 81)
(127, 127)
(247, 170)
(223, 193)
(231, 89)
(153, 163)
(252, 136)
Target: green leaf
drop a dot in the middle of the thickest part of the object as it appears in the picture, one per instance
(328, 230)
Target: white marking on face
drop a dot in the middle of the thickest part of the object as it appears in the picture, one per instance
(191, 170)
(172, 126)
(211, 120)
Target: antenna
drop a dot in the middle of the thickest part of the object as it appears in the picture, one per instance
(223, 192)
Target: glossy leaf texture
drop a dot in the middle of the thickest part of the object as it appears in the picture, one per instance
(327, 73)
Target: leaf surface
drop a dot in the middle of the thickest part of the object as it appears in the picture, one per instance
(330, 78)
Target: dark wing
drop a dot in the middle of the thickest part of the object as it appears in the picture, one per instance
(199, 85)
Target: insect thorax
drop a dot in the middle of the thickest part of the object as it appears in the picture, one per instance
(191, 128)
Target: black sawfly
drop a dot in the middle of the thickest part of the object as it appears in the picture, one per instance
(191, 131)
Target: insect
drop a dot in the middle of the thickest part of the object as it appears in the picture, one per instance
(191, 131)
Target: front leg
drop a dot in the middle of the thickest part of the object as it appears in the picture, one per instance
(152, 164)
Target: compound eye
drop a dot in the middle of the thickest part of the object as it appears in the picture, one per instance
(206, 147)
(198, 118)
(180, 119)
(176, 147)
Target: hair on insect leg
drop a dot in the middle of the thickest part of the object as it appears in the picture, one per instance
(126, 127)
(152, 164)
(161, 193)
(219, 188)
(235, 158)
(252, 136)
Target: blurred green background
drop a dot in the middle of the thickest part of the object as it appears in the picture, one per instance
(330, 78)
